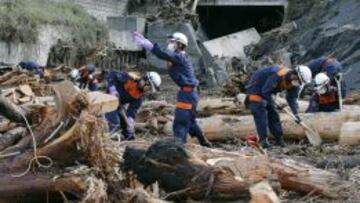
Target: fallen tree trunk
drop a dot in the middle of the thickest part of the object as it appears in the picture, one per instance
(200, 173)
(298, 177)
(12, 111)
(221, 127)
(185, 175)
(34, 187)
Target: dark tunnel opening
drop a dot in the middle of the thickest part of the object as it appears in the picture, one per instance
(218, 21)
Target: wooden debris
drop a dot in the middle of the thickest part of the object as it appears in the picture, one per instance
(349, 133)
(26, 90)
(263, 193)
(220, 174)
(101, 103)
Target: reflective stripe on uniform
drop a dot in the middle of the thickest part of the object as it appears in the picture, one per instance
(184, 105)
(255, 98)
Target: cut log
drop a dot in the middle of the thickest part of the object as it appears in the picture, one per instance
(304, 178)
(35, 187)
(350, 133)
(221, 127)
(12, 111)
(101, 103)
(11, 137)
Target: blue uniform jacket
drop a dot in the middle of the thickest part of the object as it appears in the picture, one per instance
(29, 65)
(181, 70)
(265, 82)
(126, 88)
(331, 69)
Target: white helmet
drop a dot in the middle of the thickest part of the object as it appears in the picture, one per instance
(304, 74)
(180, 37)
(155, 80)
(74, 73)
(321, 81)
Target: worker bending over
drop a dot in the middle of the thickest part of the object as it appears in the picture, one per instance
(32, 66)
(130, 88)
(267, 82)
(86, 77)
(328, 99)
(182, 73)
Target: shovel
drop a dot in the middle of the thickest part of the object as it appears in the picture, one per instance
(338, 79)
(311, 133)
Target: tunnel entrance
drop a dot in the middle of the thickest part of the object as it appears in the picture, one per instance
(218, 21)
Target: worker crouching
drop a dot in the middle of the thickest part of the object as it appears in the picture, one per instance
(130, 88)
(331, 88)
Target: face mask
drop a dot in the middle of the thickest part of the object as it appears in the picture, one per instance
(295, 83)
(172, 46)
(321, 90)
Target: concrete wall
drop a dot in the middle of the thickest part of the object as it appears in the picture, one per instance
(48, 35)
(157, 32)
(102, 9)
(232, 45)
(121, 29)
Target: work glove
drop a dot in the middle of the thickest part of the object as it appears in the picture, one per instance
(240, 99)
(141, 41)
(113, 91)
(280, 107)
(297, 119)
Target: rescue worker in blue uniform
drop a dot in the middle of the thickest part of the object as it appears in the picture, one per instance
(86, 77)
(182, 73)
(328, 102)
(267, 82)
(130, 88)
(33, 66)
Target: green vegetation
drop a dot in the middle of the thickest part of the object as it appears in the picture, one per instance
(20, 20)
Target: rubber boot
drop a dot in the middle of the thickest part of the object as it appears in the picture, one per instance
(203, 141)
(280, 141)
(265, 143)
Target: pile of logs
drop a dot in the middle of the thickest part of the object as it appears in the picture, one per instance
(65, 154)
(222, 120)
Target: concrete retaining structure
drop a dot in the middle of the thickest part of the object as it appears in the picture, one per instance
(121, 29)
(48, 35)
(232, 45)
